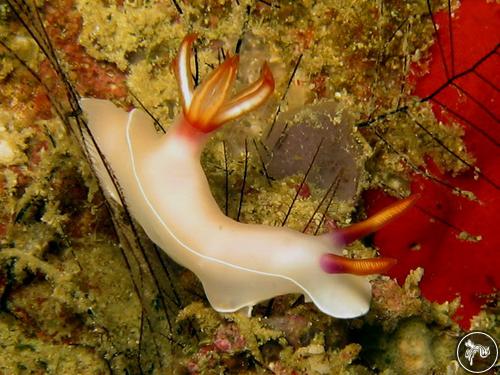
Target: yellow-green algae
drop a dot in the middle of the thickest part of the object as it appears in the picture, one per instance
(68, 304)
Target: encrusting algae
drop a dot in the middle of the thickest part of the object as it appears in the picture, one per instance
(76, 296)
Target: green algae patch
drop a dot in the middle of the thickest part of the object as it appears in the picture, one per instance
(66, 298)
(73, 310)
(23, 355)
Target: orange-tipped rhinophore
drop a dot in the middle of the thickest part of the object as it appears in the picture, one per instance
(344, 236)
(332, 263)
(206, 107)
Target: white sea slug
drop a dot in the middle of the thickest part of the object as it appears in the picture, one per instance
(167, 192)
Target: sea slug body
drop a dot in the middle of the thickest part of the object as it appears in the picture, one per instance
(166, 191)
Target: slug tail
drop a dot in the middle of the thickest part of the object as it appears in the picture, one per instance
(206, 108)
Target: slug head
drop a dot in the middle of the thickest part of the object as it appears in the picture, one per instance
(207, 107)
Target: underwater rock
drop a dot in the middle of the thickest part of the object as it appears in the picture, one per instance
(297, 136)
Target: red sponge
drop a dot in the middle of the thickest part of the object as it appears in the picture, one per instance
(454, 266)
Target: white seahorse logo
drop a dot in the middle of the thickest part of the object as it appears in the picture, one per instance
(473, 349)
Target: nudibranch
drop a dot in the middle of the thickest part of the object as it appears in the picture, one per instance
(167, 193)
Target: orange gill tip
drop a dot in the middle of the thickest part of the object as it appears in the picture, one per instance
(206, 107)
(182, 70)
(248, 99)
(211, 95)
(335, 264)
(344, 236)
